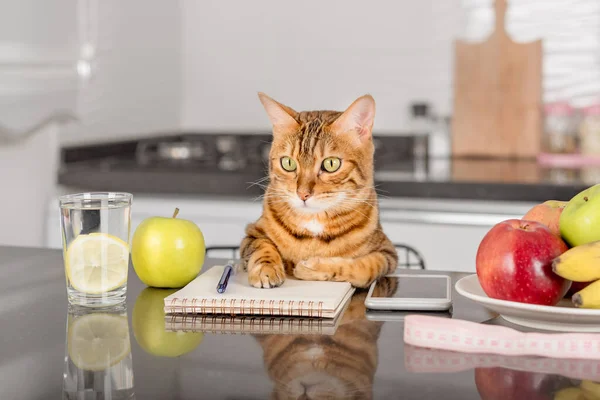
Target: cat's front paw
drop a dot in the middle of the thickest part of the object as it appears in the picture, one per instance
(266, 276)
(314, 269)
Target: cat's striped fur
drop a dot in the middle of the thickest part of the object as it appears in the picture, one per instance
(335, 234)
(328, 367)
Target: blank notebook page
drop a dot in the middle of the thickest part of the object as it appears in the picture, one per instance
(293, 298)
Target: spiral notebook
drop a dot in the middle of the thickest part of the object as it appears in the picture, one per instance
(318, 299)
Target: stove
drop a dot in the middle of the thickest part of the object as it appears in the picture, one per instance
(222, 152)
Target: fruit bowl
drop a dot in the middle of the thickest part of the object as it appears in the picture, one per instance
(563, 317)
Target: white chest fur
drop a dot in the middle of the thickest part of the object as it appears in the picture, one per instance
(314, 227)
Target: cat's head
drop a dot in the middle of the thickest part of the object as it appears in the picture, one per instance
(321, 160)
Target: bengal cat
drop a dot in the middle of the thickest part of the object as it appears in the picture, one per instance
(320, 217)
(339, 366)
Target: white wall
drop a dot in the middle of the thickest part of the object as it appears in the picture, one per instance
(323, 54)
(316, 54)
(163, 66)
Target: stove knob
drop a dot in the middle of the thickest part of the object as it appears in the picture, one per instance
(226, 144)
(228, 164)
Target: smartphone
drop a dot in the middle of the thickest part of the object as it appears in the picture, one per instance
(419, 292)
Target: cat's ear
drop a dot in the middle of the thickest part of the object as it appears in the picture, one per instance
(282, 117)
(357, 119)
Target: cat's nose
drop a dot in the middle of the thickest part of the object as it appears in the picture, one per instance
(303, 194)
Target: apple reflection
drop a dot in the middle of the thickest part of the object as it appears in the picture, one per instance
(98, 362)
(341, 365)
(149, 331)
(506, 383)
(513, 377)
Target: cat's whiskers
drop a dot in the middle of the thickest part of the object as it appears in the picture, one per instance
(352, 207)
(373, 187)
(268, 192)
(351, 202)
(341, 200)
(366, 200)
(274, 196)
(361, 200)
(259, 182)
(278, 197)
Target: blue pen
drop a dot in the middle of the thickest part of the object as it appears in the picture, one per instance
(222, 285)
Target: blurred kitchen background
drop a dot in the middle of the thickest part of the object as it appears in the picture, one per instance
(158, 98)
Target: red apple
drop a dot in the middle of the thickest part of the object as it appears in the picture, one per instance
(547, 213)
(514, 262)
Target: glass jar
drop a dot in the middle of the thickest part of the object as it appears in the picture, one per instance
(560, 133)
(589, 131)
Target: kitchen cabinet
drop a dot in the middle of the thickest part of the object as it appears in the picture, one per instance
(445, 233)
(445, 246)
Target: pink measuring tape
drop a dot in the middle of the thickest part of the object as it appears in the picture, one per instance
(471, 337)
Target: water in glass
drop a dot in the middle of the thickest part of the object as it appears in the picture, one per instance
(95, 235)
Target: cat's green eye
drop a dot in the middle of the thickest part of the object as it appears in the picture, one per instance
(331, 164)
(288, 164)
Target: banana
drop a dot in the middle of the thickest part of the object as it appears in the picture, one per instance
(588, 297)
(570, 393)
(590, 389)
(579, 264)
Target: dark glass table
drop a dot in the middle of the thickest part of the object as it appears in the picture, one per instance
(363, 359)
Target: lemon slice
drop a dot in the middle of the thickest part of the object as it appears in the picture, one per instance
(98, 341)
(97, 263)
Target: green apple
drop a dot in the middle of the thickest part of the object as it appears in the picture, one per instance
(148, 324)
(580, 220)
(167, 252)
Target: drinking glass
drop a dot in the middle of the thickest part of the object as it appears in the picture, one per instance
(95, 235)
(98, 362)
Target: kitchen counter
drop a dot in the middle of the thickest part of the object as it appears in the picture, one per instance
(35, 340)
(134, 168)
(494, 180)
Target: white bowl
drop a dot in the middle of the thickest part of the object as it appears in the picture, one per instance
(563, 317)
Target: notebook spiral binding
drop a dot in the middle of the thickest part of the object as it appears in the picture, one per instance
(229, 307)
(219, 324)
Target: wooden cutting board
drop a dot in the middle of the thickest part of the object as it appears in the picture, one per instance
(497, 95)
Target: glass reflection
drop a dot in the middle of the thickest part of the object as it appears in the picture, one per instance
(98, 362)
(335, 366)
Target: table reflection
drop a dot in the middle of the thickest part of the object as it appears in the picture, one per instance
(337, 366)
(98, 362)
(513, 377)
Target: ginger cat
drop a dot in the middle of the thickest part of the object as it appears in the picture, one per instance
(320, 217)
